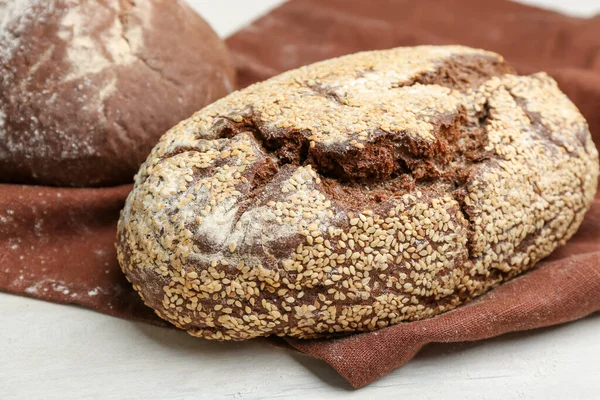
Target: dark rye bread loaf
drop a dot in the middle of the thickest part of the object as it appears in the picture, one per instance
(88, 87)
(356, 193)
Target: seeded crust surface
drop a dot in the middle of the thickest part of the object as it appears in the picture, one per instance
(356, 193)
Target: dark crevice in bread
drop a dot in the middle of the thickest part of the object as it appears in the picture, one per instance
(291, 149)
(386, 156)
(262, 176)
(537, 123)
(473, 138)
(485, 114)
(459, 195)
(355, 195)
(461, 73)
(177, 151)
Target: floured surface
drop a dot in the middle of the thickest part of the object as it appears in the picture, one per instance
(89, 54)
(13, 19)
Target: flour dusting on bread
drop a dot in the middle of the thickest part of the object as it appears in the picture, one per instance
(14, 15)
(91, 49)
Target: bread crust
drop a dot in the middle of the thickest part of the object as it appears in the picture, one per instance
(363, 191)
(88, 87)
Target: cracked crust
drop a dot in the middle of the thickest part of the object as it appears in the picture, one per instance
(356, 193)
(88, 87)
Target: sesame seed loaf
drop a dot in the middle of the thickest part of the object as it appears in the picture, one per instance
(356, 193)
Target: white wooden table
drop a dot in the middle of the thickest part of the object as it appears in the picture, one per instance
(49, 351)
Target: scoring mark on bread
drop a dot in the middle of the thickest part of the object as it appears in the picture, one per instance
(134, 37)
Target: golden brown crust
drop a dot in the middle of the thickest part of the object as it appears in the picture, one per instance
(355, 193)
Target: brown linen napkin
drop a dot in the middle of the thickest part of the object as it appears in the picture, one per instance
(57, 244)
